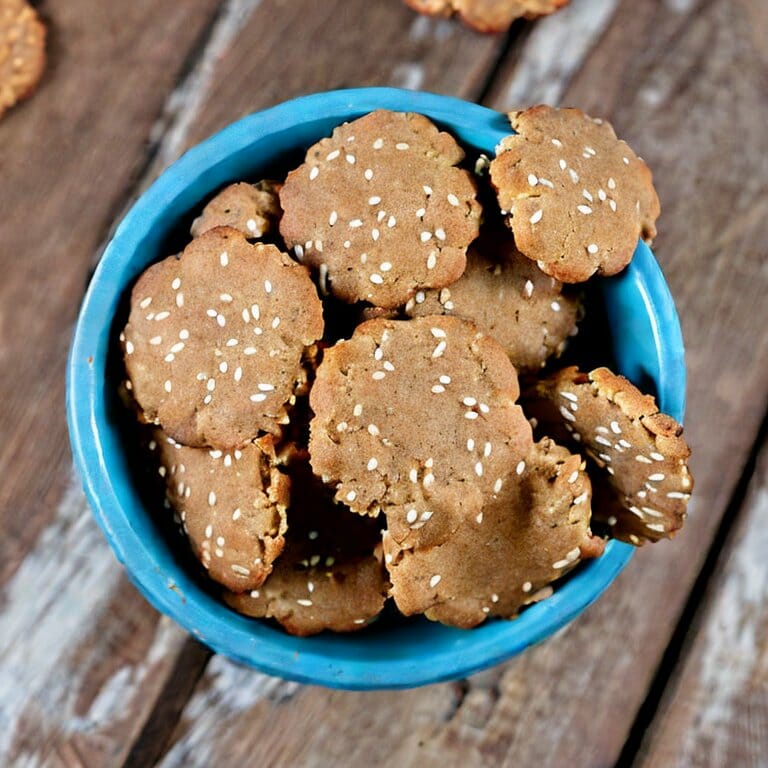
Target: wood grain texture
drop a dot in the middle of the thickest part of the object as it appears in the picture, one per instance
(572, 701)
(67, 156)
(715, 711)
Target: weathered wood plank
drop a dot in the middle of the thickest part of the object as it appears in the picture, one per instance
(715, 711)
(67, 156)
(572, 701)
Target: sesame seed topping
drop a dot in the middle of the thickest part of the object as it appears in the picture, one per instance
(532, 180)
(427, 190)
(421, 212)
(357, 410)
(566, 414)
(224, 258)
(555, 306)
(220, 319)
(425, 236)
(563, 165)
(333, 155)
(643, 459)
(314, 173)
(376, 278)
(351, 159)
(452, 199)
(167, 385)
(413, 475)
(258, 398)
(585, 209)
(431, 260)
(657, 477)
(351, 496)
(471, 415)
(372, 464)
(412, 516)
(657, 456)
(520, 468)
(581, 498)
(333, 218)
(303, 602)
(440, 233)
(368, 174)
(536, 217)
(439, 349)
(378, 143)
(378, 375)
(155, 340)
(212, 500)
(267, 286)
(435, 580)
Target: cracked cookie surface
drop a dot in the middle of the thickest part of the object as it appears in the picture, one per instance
(576, 198)
(379, 209)
(642, 483)
(215, 338)
(531, 533)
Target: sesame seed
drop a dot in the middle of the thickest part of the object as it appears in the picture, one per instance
(677, 495)
(427, 190)
(425, 236)
(440, 233)
(452, 199)
(391, 221)
(155, 340)
(129, 347)
(536, 217)
(487, 450)
(378, 375)
(445, 379)
(372, 464)
(439, 349)
(520, 468)
(655, 527)
(612, 203)
(555, 306)
(305, 603)
(435, 580)
(412, 516)
(357, 410)
(601, 194)
(560, 564)
(211, 499)
(603, 441)
(373, 430)
(581, 498)
(592, 248)
(590, 151)
(351, 496)
(431, 260)
(351, 159)
(267, 286)
(566, 414)
(479, 468)
(333, 155)
(224, 258)
(585, 209)
(144, 303)
(471, 415)
(643, 459)
(207, 399)
(378, 144)
(355, 223)
(388, 366)
(402, 146)
(221, 320)
(657, 477)
(368, 174)
(532, 180)
(333, 218)
(275, 322)
(421, 212)
(167, 385)
(429, 479)
(258, 398)
(314, 173)
(413, 475)
(210, 385)
(376, 278)
(563, 165)
(656, 456)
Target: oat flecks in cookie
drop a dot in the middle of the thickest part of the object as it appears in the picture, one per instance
(487, 15)
(253, 209)
(214, 342)
(642, 482)
(381, 210)
(531, 532)
(417, 418)
(577, 198)
(330, 575)
(508, 297)
(22, 52)
(231, 505)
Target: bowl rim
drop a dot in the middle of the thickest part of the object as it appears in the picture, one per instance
(271, 651)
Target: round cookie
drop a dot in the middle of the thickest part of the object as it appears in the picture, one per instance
(531, 533)
(22, 52)
(231, 506)
(509, 298)
(576, 197)
(417, 417)
(380, 210)
(330, 575)
(643, 491)
(253, 209)
(487, 15)
(214, 342)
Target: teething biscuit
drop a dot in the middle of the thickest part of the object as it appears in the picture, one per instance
(531, 533)
(509, 298)
(22, 52)
(487, 15)
(417, 417)
(576, 197)
(330, 575)
(253, 209)
(214, 342)
(231, 505)
(380, 211)
(643, 491)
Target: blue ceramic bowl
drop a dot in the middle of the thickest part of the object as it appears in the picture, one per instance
(647, 346)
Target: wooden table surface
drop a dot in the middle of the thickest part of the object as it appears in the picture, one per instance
(669, 668)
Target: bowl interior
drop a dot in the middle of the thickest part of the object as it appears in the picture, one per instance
(643, 336)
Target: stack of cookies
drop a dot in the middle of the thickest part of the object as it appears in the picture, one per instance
(348, 383)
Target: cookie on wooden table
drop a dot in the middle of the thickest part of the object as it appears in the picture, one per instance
(487, 15)
(215, 339)
(419, 418)
(530, 533)
(380, 209)
(22, 52)
(576, 198)
(509, 298)
(330, 575)
(253, 209)
(231, 505)
(643, 483)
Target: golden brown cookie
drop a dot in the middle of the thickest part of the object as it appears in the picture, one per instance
(417, 417)
(576, 197)
(231, 505)
(22, 52)
(253, 209)
(380, 210)
(509, 298)
(330, 575)
(487, 15)
(532, 532)
(643, 489)
(214, 342)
